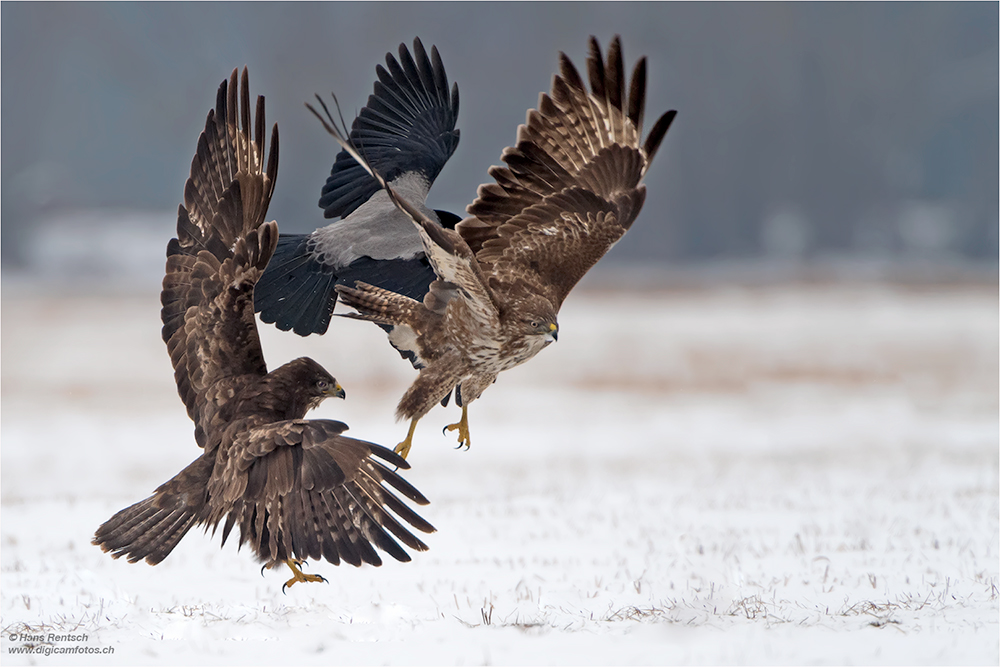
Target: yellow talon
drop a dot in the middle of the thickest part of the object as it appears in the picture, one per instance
(403, 448)
(462, 427)
(298, 575)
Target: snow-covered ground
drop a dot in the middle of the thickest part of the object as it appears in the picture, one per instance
(797, 474)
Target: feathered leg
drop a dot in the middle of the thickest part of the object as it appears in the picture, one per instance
(431, 386)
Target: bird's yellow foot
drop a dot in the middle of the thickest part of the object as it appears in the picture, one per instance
(462, 427)
(403, 448)
(297, 574)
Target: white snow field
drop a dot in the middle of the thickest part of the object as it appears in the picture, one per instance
(778, 475)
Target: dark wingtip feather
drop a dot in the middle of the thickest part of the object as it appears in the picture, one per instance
(404, 487)
(245, 103)
(656, 135)
(419, 53)
(409, 516)
(259, 124)
(231, 101)
(568, 73)
(272, 158)
(389, 456)
(637, 94)
(615, 71)
(222, 94)
(595, 68)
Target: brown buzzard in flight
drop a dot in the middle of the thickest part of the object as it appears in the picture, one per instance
(295, 488)
(570, 191)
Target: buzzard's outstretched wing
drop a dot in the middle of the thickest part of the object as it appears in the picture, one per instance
(571, 187)
(296, 489)
(407, 131)
(300, 489)
(221, 249)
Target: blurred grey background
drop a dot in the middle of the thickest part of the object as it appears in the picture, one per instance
(863, 133)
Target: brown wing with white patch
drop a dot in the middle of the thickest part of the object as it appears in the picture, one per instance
(221, 249)
(571, 187)
(300, 489)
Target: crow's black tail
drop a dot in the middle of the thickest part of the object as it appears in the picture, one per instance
(296, 291)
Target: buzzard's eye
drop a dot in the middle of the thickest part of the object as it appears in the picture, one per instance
(534, 324)
(322, 385)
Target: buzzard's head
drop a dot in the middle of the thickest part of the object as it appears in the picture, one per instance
(312, 382)
(534, 319)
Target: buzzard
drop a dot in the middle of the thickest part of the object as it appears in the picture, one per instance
(407, 132)
(295, 488)
(570, 191)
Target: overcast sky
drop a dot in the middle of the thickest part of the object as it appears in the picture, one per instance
(802, 129)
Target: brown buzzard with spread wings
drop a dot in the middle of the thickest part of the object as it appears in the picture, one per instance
(570, 191)
(295, 488)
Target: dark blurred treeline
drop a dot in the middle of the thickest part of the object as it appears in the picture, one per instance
(804, 130)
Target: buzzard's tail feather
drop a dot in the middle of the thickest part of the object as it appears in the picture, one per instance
(144, 531)
(151, 528)
(157, 544)
(378, 305)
